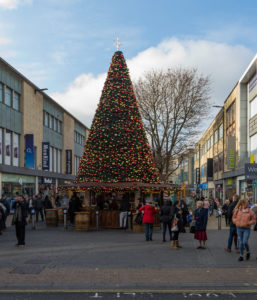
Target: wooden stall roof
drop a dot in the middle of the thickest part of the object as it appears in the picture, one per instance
(118, 186)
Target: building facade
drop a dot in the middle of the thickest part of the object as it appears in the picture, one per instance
(40, 142)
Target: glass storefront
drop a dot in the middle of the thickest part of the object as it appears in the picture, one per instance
(13, 184)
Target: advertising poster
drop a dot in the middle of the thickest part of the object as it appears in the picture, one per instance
(45, 156)
(29, 151)
(15, 150)
(7, 148)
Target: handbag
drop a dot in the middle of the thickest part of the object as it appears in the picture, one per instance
(174, 226)
(139, 219)
(192, 229)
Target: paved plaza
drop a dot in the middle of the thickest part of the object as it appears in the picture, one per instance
(118, 260)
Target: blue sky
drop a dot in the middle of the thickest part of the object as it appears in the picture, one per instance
(67, 45)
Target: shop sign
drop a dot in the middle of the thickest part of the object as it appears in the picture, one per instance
(29, 151)
(230, 182)
(203, 186)
(46, 180)
(12, 178)
(254, 184)
(231, 152)
(250, 171)
(210, 169)
(68, 161)
(197, 175)
(45, 156)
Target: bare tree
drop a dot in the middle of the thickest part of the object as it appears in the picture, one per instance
(172, 105)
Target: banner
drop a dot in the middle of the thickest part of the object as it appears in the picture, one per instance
(68, 161)
(250, 171)
(29, 151)
(231, 152)
(197, 175)
(16, 150)
(45, 156)
(7, 148)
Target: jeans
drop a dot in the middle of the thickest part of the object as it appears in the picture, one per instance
(165, 225)
(123, 219)
(175, 235)
(148, 231)
(243, 237)
(20, 234)
(232, 234)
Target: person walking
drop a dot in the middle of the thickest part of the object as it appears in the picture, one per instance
(165, 218)
(39, 207)
(6, 210)
(243, 217)
(148, 218)
(176, 224)
(200, 225)
(225, 211)
(19, 219)
(232, 229)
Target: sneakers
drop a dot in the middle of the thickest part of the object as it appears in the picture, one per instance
(247, 257)
(240, 258)
(227, 249)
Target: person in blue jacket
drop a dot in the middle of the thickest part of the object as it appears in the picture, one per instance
(200, 225)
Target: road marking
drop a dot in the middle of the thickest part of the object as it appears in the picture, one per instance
(96, 292)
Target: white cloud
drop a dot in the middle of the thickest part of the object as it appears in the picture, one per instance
(224, 63)
(13, 4)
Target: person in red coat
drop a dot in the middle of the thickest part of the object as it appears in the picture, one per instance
(148, 219)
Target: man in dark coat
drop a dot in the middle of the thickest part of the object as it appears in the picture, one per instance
(165, 218)
(232, 230)
(39, 207)
(19, 219)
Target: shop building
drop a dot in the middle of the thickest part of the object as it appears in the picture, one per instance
(40, 142)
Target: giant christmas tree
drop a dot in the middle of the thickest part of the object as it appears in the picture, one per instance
(117, 149)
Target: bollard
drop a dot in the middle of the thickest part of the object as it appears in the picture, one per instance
(129, 220)
(97, 219)
(65, 219)
(33, 219)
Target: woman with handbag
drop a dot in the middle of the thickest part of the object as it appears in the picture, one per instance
(148, 219)
(243, 218)
(177, 224)
(200, 225)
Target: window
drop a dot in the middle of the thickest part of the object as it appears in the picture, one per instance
(208, 144)
(253, 143)
(253, 107)
(230, 114)
(216, 136)
(55, 160)
(46, 119)
(8, 96)
(51, 159)
(211, 140)
(1, 92)
(51, 121)
(221, 131)
(59, 124)
(55, 124)
(59, 161)
(16, 101)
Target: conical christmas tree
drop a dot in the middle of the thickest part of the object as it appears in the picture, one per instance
(117, 149)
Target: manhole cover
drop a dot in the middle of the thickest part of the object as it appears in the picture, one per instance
(27, 269)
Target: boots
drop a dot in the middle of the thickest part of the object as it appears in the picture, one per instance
(173, 245)
(177, 244)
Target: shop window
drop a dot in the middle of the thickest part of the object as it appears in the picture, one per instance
(1, 92)
(8, 96)
(16, 101)
(253, 107)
